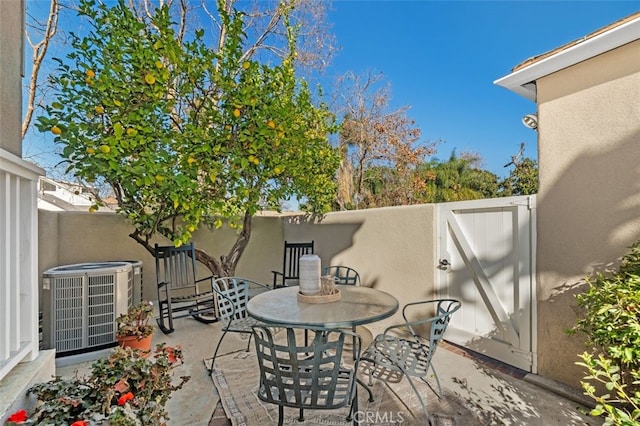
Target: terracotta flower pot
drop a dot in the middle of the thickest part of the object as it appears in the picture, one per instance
(134, 342)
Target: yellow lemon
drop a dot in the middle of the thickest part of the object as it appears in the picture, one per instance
(246, 65)
(131, 131)
(105, 149)
(56, 130)
(90, 150)
(256, 161)
(93, 209)
(236, 113)
(99, 109)
(271, 124)
(191, 228)
(88, 80)
(217, 223)
(277, 170)
(90, 73)
(176, 203)
(191, 160)
(177, 243)
(159, 65)
(159, 178)
(149, 78)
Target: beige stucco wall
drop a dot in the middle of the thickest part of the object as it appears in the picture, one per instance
(588, 201)
(76, 237)
(11, 30)
(392, 248)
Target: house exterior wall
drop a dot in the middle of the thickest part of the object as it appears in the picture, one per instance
(22, 364)
(11, 52)
(589, 150)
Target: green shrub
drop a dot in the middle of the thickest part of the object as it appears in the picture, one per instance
(611, 322)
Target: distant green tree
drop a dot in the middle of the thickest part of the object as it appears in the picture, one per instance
(459, 178)
(523, 178)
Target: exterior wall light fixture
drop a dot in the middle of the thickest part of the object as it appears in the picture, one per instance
(531, 121)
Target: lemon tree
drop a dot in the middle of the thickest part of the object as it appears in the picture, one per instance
(188, 135)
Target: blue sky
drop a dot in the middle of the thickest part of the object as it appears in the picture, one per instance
(442, 57)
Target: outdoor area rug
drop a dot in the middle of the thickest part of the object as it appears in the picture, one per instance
(235, 377)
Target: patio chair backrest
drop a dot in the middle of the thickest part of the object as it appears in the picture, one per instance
(343, 274)
(292, 254)
(235, 296)
(293, 374)
(176, 266)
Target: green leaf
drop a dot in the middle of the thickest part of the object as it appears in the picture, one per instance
(118, 130)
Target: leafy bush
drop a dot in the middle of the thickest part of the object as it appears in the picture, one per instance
(127, 388)
(612, 324)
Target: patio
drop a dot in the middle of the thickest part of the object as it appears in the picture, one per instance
(497, 393)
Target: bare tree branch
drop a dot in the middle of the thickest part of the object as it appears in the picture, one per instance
(39, 53)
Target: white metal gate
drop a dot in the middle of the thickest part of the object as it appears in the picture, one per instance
(486, 258)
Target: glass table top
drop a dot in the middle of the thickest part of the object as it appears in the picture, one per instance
(357, 305)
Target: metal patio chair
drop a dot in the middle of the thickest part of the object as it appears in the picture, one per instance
(233, 294)
(180, 293)
(290, 262)
(401, 351)
(343, 274)
(306, 376)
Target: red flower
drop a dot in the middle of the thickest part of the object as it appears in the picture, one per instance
(80, 423)
(124, 398)
(171, 355)
(18, 417)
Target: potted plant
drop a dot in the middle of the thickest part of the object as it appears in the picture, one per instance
(134, 330)
(127, 388)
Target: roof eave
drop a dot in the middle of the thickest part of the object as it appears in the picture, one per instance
(522, 81)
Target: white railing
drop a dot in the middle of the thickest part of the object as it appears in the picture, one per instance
(18, 261)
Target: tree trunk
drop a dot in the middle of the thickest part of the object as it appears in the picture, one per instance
(226, 266)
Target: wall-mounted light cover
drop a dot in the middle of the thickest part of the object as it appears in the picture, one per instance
(531, 121)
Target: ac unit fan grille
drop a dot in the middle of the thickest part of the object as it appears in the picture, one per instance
(68, 313)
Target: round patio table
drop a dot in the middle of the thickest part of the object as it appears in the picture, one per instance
(357, 305)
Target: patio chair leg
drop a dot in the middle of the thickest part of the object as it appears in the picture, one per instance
(367, 388)
(439, 393)
(424, 407)
(160, 321)
(280, 414)
(215, 354)
(354, 408)
(301, 418)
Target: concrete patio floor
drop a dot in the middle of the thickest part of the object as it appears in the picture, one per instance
(504, 395)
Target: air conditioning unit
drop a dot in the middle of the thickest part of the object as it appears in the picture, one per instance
(80, 304)
(134, 291)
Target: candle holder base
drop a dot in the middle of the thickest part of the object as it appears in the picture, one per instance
(319, 298)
